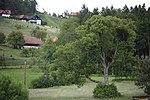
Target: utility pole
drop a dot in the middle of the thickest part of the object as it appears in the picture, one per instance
(25, 65)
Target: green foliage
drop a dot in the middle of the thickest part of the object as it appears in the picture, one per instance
(2, 38)
(84, 14)
(66, 65)
(10, 90)
(15, 39)
(38, 33)
(106, 91)
(19, 6)
(24, 53)
(41, 34)
(105, 40)
(18, 27)
(144, 75)
(31, 52)
(68, 31)
(42, 82)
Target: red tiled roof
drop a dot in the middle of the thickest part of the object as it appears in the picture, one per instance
(33, 40)
(1, 11)
(5, 11)
(74, 13)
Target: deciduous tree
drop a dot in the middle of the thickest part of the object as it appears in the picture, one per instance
(16, 39)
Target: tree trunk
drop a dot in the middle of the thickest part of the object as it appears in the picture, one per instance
(106, 82)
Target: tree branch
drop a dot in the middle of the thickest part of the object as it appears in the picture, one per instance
(95, 81)
(109, 64)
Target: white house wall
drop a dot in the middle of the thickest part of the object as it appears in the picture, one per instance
(27, 47)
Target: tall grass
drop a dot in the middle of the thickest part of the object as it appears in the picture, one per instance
(18, 75)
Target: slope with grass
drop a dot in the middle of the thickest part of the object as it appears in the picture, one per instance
(12, 57)
(51, 21)
(9, 25)
(18, 74)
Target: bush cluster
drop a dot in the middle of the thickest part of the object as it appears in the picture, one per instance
(31, 52)
(10, 90)
(56, 79)
(43, 82)
(147, 88)
(106, 91)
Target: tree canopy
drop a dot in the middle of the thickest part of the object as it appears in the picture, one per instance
(19, 6)
(101, 41)
(16, 39)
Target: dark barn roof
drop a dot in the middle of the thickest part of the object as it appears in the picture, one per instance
(35, 17)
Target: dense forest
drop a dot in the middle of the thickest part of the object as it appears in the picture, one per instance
(19, 7)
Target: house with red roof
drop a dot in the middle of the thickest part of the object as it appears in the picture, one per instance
(74, 13)
(32, 42)
(5, 13)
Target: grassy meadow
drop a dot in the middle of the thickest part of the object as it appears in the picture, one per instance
(18, 74)
(72, 92)
(126, 88)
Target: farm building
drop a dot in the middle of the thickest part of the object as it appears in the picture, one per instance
(35, 19)
(32, 42)
(74, 13)
(5, 13)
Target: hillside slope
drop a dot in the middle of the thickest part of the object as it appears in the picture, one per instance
(9, 25)
(51, 21)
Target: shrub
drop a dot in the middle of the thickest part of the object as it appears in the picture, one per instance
(10, 90)
(2, 38)
(106, 91)
(143, 79)
(24, 53)
(147, 88)
(42, 82)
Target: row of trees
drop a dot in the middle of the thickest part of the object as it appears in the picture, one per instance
(19, 7)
